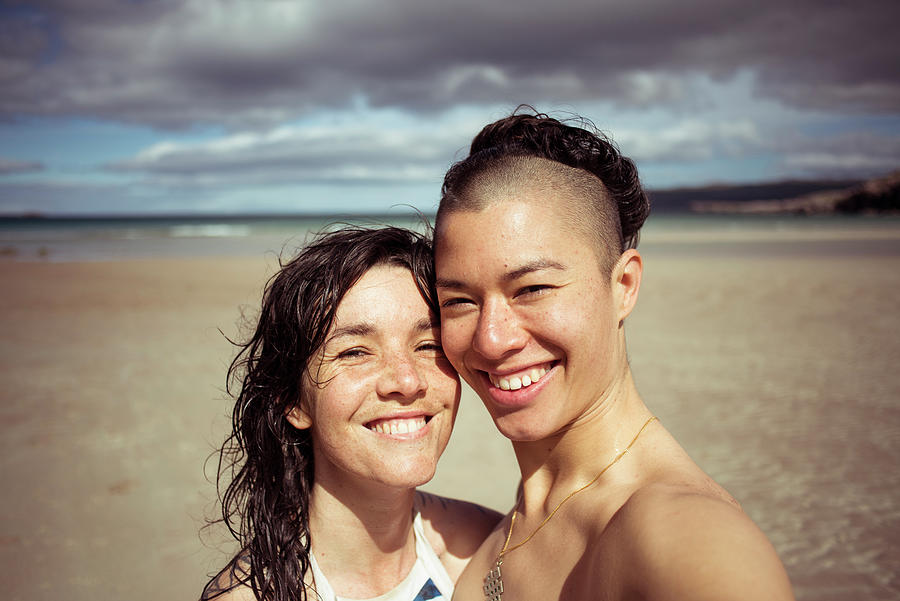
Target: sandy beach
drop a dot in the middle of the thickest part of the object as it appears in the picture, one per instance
(777, 373)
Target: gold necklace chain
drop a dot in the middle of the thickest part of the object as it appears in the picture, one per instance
(507, 549)
(493, 581)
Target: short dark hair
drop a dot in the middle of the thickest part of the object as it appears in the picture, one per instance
(507, 149)
(266, 502)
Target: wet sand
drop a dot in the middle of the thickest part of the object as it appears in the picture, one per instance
(778, 374)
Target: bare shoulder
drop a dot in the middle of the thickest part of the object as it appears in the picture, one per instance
(694, 542)
(462, 526)
(455, 528)
(231, 584)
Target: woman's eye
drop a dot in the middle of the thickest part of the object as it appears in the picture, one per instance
(431, 346)
(455, 302)
(535, 290)
(351, 353)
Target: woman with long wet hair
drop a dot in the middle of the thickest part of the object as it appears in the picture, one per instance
(344, 404)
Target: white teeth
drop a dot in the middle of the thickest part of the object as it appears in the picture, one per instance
(399, 426)
(520, 381)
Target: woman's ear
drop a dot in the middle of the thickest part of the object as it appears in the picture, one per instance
(298, 417)
(626, 281)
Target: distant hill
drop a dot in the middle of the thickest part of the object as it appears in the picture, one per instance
(875, 196)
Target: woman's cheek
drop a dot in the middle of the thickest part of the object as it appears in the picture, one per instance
(455, 339)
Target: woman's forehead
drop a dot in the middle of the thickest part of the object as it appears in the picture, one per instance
(384, 294)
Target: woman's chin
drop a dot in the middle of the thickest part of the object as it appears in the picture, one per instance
(413, 477)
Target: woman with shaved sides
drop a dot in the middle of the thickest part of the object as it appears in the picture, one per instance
(537, 271)
(345, 404)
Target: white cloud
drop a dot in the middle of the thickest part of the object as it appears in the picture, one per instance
(840, 163)
(691, 140)
(356, 148)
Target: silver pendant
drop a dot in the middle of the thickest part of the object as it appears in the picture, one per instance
(493, 584)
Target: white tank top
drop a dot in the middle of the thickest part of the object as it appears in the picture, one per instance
(427, 580)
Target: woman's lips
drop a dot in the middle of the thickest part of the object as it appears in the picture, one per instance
(505, 391)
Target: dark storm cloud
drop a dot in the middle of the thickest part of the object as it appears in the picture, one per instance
(243, 63)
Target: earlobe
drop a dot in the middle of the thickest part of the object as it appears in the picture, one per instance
(627, 280)
(298, 418)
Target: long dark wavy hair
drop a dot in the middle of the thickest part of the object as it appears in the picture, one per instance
(621, 203)
(265, 464)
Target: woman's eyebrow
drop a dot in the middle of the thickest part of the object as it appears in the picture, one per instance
(364, 329)
(353, 329)
(427, 323)
(509, 276)
(531, 267)
(448, 283)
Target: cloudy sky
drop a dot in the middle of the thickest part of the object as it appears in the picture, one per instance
(150, 106)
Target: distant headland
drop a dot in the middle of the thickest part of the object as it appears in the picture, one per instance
(880, 196)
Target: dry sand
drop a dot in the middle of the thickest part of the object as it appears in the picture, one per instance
(778, 375)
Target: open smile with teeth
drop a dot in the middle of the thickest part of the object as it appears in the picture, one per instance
(519, 380)
(398, 426)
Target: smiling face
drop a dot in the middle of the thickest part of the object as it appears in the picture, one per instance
(529, 318)
(387, 397)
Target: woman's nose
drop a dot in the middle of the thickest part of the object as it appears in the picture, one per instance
(498, 332)
(401, 377)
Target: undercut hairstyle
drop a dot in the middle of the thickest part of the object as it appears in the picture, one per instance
(602, 192)
(266, 465)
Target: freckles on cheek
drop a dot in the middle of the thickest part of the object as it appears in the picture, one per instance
(455, 339)
(453, 350)
(562, 323)
(442, 371)
(346, 385)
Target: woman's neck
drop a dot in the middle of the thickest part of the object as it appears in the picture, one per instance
(554, 467)
(362, 537)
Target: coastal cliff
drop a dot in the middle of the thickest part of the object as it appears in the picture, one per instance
(875, 196)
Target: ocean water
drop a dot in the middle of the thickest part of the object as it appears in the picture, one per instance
(111, 239)
(50, 239)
